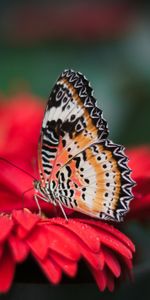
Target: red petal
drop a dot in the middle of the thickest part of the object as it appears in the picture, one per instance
(68, 266)
(26, 219)
(51, 269)
(63, 242)
(7, 269)
(38, 242)
(21, 232)
(6, 225)
(86, 233)
(128, 263)
(111, 229)
(110, 281)
(19, 248)
(112, 262)
(96, 260)
(110, 241)
(101, 259)
(1, 250)
(127, 266)
(101, 278)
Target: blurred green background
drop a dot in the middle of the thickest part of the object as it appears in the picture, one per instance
(109, 42)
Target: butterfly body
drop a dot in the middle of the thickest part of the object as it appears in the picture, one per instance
(47, 191)
(79, 166)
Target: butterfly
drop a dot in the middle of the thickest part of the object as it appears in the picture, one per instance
(80, 168)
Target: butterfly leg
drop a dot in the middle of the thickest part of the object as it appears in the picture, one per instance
(62, 209)
(36, 197)
(37, 203)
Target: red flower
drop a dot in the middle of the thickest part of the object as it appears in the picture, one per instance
(56, 245)
(18, 143)
(140, 164)
(21, 120)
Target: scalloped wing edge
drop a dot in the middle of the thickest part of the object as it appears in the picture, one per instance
(127, 183)
(81, 83)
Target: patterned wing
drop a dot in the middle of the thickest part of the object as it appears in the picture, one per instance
(97, 182)
(71, 123)
(89, 173)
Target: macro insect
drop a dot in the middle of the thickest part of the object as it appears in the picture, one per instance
(80, 168)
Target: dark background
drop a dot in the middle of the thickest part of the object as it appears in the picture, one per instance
(109, 42)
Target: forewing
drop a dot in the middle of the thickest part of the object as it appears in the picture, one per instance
(72, 122)
(97, 182)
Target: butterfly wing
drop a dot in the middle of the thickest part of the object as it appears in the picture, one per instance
(97, 182)
(89, 171)
(71, 123)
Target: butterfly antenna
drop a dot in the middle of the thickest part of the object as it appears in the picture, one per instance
(23, 195)
(10, 163)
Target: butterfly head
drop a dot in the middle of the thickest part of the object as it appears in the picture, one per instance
(39, 188)
(46, 192)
